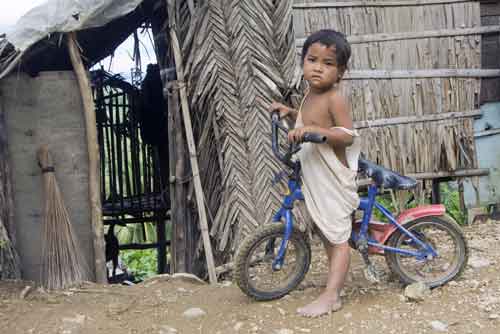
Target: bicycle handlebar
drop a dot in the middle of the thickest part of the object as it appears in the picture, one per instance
(292, 148)
(314, 138)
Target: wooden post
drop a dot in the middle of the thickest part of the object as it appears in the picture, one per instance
(181, 252)
(436, 192)
(200, 202)
(93, 150)
(162, 244)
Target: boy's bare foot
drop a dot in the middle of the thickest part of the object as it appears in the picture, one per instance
(324, 304)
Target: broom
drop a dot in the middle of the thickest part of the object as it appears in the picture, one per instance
(62, 262)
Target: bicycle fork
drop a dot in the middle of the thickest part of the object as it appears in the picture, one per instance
(280, 257)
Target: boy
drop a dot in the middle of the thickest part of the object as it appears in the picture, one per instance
(328, 170)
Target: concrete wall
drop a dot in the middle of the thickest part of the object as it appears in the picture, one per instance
(46, 110)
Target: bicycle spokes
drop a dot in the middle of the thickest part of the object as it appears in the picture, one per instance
(428, 267)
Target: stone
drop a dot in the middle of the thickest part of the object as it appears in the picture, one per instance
(493, 316)
(417, 291)
(284, 331)
(164, 329)
(194, 313)
(226, 284)
(25, 292)
(189, 278)
(79, 319)
(476, 262)
(238, 326)
(439, 326)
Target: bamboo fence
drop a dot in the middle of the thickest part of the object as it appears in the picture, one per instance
(416, 63)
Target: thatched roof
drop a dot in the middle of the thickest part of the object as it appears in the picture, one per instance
(102, 25)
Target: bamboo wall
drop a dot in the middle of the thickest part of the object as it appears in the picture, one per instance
(412, 62)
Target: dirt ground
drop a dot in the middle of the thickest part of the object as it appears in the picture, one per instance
(468, 305)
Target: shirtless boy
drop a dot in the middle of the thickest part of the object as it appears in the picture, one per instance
(328, 170)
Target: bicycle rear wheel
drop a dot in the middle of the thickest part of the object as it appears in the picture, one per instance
(253, 263)
(447, 239)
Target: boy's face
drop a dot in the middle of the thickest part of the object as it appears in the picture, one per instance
(320, 66)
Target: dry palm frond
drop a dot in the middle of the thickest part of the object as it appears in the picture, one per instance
(62, 261)
(240, 56)
(9, 261)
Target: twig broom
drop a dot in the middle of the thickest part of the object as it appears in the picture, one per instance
(62, 261)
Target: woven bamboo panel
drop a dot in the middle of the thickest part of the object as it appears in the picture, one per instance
(416, 147)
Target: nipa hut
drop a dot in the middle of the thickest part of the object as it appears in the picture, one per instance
(414, 83)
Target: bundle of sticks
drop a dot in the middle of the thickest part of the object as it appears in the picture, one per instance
(62, 262)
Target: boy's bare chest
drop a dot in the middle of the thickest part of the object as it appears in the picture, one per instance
(316, 112)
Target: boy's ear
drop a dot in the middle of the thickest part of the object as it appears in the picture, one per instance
(341, 71)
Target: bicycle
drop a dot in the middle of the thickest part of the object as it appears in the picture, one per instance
(422, 244)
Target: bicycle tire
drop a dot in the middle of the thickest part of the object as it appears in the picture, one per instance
(242, 261)
(447, 224)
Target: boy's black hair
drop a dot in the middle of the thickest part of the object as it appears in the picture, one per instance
(329, 37)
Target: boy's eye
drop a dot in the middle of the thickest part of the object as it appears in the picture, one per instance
(311, 59)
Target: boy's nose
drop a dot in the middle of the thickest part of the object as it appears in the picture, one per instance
(318, 68)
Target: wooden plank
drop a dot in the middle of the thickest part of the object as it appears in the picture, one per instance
(456, 173)
(200, 201)
(384, 37)
(438, 175)
(380, 3)
(427, 73)
(416, 119)
(93, 151)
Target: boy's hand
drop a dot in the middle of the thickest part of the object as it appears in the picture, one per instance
(281, 108)
(297, 135)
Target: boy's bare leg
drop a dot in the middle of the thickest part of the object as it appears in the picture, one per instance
(329, 300)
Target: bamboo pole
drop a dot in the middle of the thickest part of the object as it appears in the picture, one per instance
(193, 158)
(417, 119)
(385, 37)
(426, 73)
(380, 3)
(93, 151)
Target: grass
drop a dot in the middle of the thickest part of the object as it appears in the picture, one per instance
(450, 198)
(142, 263)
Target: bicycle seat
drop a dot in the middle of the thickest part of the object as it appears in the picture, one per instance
(385, 177)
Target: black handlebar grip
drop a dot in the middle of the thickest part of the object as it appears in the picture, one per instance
(314, 138)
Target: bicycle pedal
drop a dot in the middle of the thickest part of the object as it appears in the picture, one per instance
(372, 275)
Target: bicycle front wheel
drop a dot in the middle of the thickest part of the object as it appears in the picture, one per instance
(447, 239)
(254, 273)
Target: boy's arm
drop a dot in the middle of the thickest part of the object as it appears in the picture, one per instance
(284, 110)
(341, 115)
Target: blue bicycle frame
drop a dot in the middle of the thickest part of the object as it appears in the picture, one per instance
(362, 239)
(426, 251)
